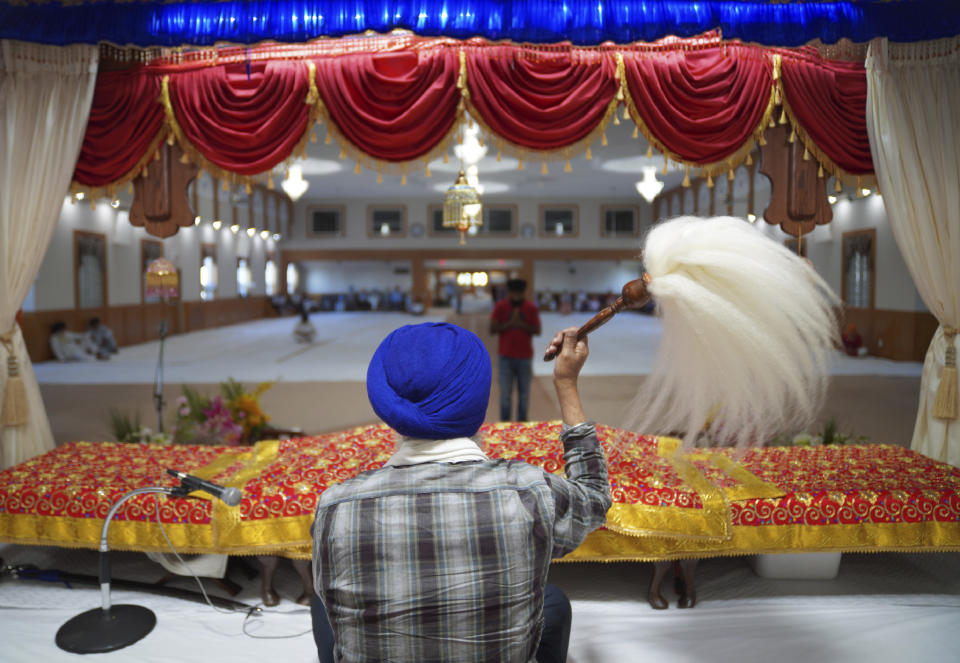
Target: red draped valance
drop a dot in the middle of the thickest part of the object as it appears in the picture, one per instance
(241, 118)
(826, 102)
(541, 101)
(703, 106)
(391, 107)
(242, 113)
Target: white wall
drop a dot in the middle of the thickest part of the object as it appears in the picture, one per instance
(54, 286)
(335, 276)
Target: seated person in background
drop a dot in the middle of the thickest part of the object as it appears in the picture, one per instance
(852, 342)
(442, 554)
(304, 332)
(68, 345)
(100, 337)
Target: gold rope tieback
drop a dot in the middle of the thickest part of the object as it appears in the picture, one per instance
(14, 410)
(946, 402)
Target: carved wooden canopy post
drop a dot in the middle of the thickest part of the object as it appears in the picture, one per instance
(160, 203)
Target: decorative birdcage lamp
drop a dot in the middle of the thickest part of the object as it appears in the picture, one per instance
(162, 280)
(462, 207)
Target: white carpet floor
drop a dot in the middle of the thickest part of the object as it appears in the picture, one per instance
(265, 350)
(882, 608)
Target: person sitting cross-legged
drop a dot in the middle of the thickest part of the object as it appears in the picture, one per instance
(442, 554)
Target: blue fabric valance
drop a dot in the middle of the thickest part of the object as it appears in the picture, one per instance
(583, 22)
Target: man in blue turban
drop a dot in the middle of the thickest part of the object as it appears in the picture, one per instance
(442, 554)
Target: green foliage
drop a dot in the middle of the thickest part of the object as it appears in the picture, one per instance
(125, 427)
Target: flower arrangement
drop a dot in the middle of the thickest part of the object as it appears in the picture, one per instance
(232, 417)
(127, 428)
(831, 434)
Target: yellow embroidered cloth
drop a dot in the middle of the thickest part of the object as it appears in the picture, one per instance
(667, 504)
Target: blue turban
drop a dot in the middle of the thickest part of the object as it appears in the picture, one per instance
(430, 381)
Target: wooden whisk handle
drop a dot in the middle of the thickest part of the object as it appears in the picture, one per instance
(633, 295)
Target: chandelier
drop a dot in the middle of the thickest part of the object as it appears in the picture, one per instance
(649, 187)
(294, 185)
(462, 207)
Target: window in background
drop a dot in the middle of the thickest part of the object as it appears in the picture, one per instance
(90, 269)
(270, 276)
(435, 215)
(293, 278)
(244, 277)
(558, 220)
(619, 221)
(386, 221)
(325, 221)
(859, 268)
(208, 272)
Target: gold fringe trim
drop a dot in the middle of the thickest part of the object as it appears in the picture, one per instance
(110, 190)
(728, 162)
(811, 150)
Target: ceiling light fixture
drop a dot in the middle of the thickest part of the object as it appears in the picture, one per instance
(264, 234)
(294, 185)
(217, 224)
(462, 208)
(197, 220)
(751, 217)
(276, 237)
(251, 232)
(832, 199)
(235, 228)
(649, 187)
(114, 203)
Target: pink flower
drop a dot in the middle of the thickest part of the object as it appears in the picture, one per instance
(184, 411)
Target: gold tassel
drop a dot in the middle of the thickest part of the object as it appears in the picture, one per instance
(170, 139)
(520, 163)
(806, 154)
(793, 137)
(749, 160)
(636, 132)
(343, 153)
(626, 113)
(499, 156)
(710, 181)
(93, 203)
(543, 169)
(649, 151)
(730, 175)
(184, 159)
(248, 188)
(446, 158)
(837, 186)
(603, 139)
(945, 404)
(358, 169)
(665, 161)
(762, 141)
(226, 187)
(326, 139)
(616, 120)
(771, 124)
(15, 410)
(820, 171)
(566, 167)
(379, 177)
(156, 155)
(73, 199)
(426, 171)
(270, 183)
(403, 180)
(313, 135)
(589, 154)
(686, 177)
(130, 187)
(480, 141)
(783, 117)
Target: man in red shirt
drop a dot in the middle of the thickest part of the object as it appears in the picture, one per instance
(517, 321)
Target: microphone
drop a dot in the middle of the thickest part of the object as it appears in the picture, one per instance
(230, 496)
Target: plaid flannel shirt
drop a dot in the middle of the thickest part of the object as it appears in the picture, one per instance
(447, 562)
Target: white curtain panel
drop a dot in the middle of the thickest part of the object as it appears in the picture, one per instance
(45, 97)
(913, 119)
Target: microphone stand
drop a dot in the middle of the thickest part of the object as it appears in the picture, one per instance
(158, 379)
(111, 627)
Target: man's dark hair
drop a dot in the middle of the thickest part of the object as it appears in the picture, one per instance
(58, 326)
(516, 285)
(94, 322)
